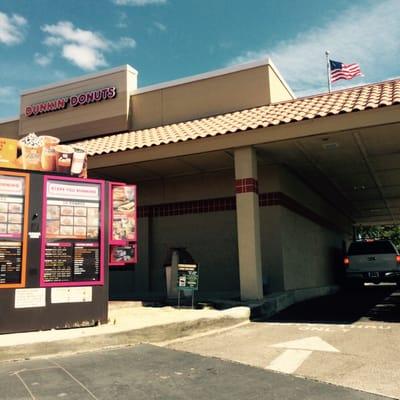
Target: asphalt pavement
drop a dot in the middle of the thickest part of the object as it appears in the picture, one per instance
(349, 339)
(148, 372)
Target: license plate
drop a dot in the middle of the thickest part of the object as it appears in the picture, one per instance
(373, 274)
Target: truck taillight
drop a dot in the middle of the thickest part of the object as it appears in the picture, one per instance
(398, 259)
(346, 261)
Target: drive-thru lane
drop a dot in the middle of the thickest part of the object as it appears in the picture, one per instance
(148, 372)
(349, 339)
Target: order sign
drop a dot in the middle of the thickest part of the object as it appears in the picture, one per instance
(124, 213)
(188, 276)
(72, 240)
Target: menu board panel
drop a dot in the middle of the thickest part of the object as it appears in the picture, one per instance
(12, 233)
(10, 262)
(123, 213)
(73, 237)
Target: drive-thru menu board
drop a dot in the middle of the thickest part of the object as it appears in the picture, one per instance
(123, 235)
(73, 237)
(13, 228)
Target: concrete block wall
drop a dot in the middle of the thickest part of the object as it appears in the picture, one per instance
(299, 252)
(310, 252)
(210, 238)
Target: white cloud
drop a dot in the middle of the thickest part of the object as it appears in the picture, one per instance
(83, 48)
(160, 26)
(12, 28)
(138, 2)
(85, 57)
(368, 34)
(66, 31)
(124, 43)
(43, 59)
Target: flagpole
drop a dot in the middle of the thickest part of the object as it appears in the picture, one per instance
(328, 70)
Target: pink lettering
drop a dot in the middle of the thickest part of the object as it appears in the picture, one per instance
(28, 111)
(74, 101)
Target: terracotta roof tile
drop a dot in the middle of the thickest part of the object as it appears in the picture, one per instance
(343, 101)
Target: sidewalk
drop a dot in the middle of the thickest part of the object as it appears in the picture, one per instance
(129, 323)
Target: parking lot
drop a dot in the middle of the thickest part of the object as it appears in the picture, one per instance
(348, 339)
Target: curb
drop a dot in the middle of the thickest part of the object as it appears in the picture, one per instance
(157, 333)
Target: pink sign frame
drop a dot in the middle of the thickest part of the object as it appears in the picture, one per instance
(99, 282)
(112, 242)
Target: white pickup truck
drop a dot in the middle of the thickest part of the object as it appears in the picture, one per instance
(372, 261)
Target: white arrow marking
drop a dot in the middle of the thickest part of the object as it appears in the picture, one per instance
(314, 343)
(298, 351)
(289, 361)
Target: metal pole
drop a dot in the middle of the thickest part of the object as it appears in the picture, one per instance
(328, 70)
(192, 299)
(179, 298)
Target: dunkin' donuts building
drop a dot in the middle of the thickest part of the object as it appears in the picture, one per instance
(262, 189)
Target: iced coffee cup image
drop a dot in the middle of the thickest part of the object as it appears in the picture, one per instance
(49, 153)
(64, 154)
(31, 148)
(78, 161)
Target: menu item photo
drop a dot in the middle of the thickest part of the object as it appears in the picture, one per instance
(3, 217)
(53, 212)
(123, 254)
(67, 220)
(80, 221)
(3, 207)
(65, 210)
(80, 231)
(14, 208)
(15, 218)
(14, 228)
(124, 215)
(66, 231)
(80, 211)
(92, 232)
(3, 228)
(93, 214)
(53, 227)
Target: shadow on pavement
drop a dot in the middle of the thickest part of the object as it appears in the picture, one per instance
(371, 303)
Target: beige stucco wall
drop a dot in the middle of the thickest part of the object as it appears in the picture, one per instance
(192, 187)
(310, 252)
(211, 96)
(88, 120)
(278, 90)
(9, 129)
(276, 178)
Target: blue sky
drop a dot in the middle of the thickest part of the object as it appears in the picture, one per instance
(45, 41)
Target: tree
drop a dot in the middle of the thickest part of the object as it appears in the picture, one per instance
(391, 232)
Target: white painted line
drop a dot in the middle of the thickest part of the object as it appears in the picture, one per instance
(289, 361)
(313, 343)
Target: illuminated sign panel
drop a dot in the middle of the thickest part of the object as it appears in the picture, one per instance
(93, 96)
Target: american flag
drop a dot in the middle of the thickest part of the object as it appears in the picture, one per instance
(343, 71)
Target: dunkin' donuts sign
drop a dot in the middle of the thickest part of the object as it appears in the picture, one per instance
(93, 96)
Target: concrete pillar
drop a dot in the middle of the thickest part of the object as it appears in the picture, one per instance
(248, 224)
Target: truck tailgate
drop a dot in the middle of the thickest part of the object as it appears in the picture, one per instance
(373, 262)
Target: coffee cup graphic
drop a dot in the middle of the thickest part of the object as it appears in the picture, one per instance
(31, 148)
(64, 154)
(49, 153)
